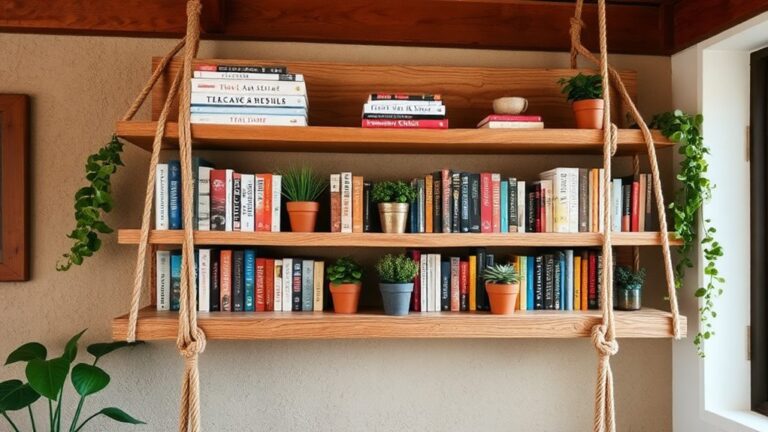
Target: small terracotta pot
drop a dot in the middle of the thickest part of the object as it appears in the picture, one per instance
(589, 113)
(503, 297)
(345, 297)
(303, 215)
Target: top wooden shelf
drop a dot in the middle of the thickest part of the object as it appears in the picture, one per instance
(322, 139)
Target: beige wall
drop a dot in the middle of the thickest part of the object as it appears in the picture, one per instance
(81, 85)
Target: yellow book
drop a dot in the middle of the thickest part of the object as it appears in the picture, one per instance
(584, 282)
(521, 270)
(428, 210)
(472, 282)
(319, 277)
(357, 204)
(576, 282)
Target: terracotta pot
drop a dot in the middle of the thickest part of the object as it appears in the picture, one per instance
(393, 217)
(396, 297)
(345, 297)
(303, 215)
(503, 297)
(589, 113)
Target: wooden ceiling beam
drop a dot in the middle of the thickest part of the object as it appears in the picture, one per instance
(697, 20)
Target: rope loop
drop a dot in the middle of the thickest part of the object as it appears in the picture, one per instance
(604, 346)
(195, 346)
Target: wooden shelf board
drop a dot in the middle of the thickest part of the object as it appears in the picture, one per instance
(374, 240)
(321, 139)
(154, 325)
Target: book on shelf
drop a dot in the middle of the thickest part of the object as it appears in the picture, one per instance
(404, 111)
(502, 121)
(257, 69)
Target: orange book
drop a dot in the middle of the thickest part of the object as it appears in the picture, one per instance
(225, 280)
(258, 211)
(576, 282)
(357, 204)
(472, 282)
(584, 281)
(267, 209)
(335, 202)
(428, 185)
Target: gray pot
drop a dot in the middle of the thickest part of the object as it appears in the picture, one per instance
(628, 298)
(397, 297)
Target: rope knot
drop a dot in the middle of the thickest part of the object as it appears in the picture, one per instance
(603, 346)
(193, 347)
(576, 25)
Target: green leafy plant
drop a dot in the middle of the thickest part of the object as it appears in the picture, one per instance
(345, 270)
(582, 87)
(625, 277)
(695, 189)
(46, 379)
(393, 192)
(501, 274)
(397, 269)
(91, 202)
(302, 184)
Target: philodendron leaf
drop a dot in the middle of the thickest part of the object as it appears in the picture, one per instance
(120, 415)
(15, 396)
(70, 350)
(99, 350)
(88, 379)
(27, 352)
(47, 376)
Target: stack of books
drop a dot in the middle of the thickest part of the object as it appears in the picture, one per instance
(404, 111)
(500, 121)
(248, 95)
(224, 200)
(239, 280)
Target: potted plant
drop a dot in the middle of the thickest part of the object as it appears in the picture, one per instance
(586, 93)
(344, 276)
(302, 187)
(502, 285)
(396, 273)
(629, 288)
(393, 198)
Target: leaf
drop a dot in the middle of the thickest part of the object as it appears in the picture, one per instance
(70, 350)
(47, 376)
(27, 352)
(119, 415)
(18, 397)
(99, 350)
(700, 292)
(87, 379)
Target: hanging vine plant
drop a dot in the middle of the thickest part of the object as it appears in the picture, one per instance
(91, 203)
(695, 189)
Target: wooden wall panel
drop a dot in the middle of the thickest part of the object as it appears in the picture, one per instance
(697, 20)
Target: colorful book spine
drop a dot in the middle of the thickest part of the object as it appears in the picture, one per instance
(455, 202)
(211, 67)
(504, 206)
(175, 280)
(163, 280)
(161, 197)
(268, 281)
(512, 203)
(238, 286)
(216, 99)
(259, 201)
(521, 265)
(296, 285)
(319, 276)
(412, 108)
(237, 195)
(445, 286)
(247, 200)
(204, 280)
(204, 198)
(446, 205)
(287, 280)
(248, 87)
(357, 204)
(346, 202)
(576, 282)
(530, 282)
(495, 203)
(405, 124)
(475, 218)
(428, 204)
(247, 119)
(307, 284)
(277, 189)
(522, 198)
(423, 282)
(472, 264)
(215, 296)
(174, 195)
(226, 280)
(247, 76)
(335, 187)
(369, 212)
(465, 223)
(266, 219)
(455, 296)
(250, 277)
(277, 284)
(486, 203)
(583, 200)
(463, 286)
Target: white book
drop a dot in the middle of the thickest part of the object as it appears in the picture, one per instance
(287, 284)
(228, 202)
(204, 198)
(161, 197)
(247, 222)
(511, 125)
(409, 108)
(560, 195)
(259, 189)
(424, 282)
(249, 87)
(590, 200)
(568, 301)
(346, 202)
(319, 277)
(573, 200)
(436, 280)
(277, 196)
(522, 199)
(616, 204)
(248, 76)
(217, 99)
(163, 288)
(204, 280)
(248, 119)
(601, 199)
(277, 286)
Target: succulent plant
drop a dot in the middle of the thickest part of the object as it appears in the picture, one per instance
(501, 274)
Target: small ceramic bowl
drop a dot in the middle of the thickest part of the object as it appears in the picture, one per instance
(510, 105)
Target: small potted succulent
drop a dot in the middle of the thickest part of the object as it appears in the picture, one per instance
(502, 285)
(396, 274)
(629, 288)
(393, 198)
(586, 93)
(302, 187)
(344, 276)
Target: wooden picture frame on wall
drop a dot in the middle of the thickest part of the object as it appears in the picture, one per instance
(14, 183)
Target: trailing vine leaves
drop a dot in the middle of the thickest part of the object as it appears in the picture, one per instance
(695, 189)
(91, 202)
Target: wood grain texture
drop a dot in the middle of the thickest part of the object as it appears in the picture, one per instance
(337, 91)
(14, 183)
(381, 240)
(697, 20)
(154, 325)
(319, 139)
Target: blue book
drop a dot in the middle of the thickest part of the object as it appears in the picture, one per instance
(175, 279)
(174, 194)
(561, 259)
(529, 283)
(504, 207)
(249, 279)
(209, 109)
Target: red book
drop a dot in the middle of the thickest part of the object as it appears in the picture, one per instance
(447, 200)
(592, 281)
(258, 195)
(496, 202)
(455, 285)
(266, 217)
(464, 286)
(405, 96)
(540, 207)
(486, 204)
(635, 212)
(225, 280)
(261, 295)
(218, 185)
(269, 284)
(416, 295)
(405, 124)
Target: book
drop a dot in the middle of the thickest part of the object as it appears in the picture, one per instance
(583, 200)
(368, 207)
(390, 116)
(225, 284)
(415, 255)
(335, 188)
(174, 195)
(511, 125)
(539, 285)
(512, 202)
(485, 302)
(244, 202)
(203, 198)
(259, 202)
(557, 279)
(307, 285)
(198, 167)
(175, 294)
(296, 282)
(404, 97)
(429, 210)
(601, 199)
(161, 197)
(546, 209)
(474, 203)
(455, 202)
(495, 202)
(454, 285)
(287, 280)
(266, 212)
(204, 280)
(504, 206)
(277, 284)
(420, 205)
(226, 109)
(626, 204)
(592, 281)
(405, 124)
(635, 209)
(480, 293)
(464, 222)
(218, 182)
(210, 67)
(236, 197)
(436, 279)
(413, 210)
(522, 270)
(245, 100)
(248, 87)
(261, 295)
(510, 118)
(642, 190)
(472, 279)
(346, 202)
(522, 198)
(530, 282)
(404, 108)
(318, 274)
(238, 286)
(446, 183)
(253, 279)
(163, 280)
(215, 282)
(423, 282)
(247, 76)
(549, 281)
(584, 280)
(530, 206)
(277, 192)
(463, 286)
(486, 203)
(445, 286)
(616, 204)
(357, 204)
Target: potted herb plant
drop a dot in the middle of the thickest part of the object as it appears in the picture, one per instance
(586, 94)
(393, 198)
(629, 288)
(396, 273)
(502, 285)
(302, 187)
(344, 276)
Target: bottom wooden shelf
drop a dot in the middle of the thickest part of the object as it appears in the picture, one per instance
(155, 325)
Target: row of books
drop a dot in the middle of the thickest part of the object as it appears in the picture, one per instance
(248, 95)
(404, 111)
(556, 280)
(223, 200)
(238, 280)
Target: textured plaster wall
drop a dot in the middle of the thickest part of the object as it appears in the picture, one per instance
(81, 85)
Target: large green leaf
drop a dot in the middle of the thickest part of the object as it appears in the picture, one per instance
(70, 350)
(47, 376)
(99, 350)
(120, 415)
(15, 396)
(27, 352)
(88, 379)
